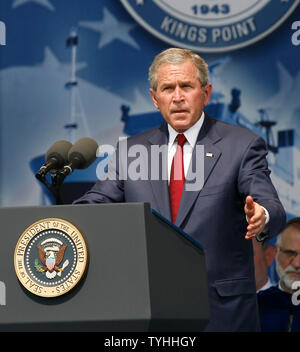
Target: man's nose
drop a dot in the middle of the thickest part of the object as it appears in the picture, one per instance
(296, 261)
(177, 94)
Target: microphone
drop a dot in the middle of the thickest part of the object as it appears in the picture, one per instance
(81, 156)
(56, 157)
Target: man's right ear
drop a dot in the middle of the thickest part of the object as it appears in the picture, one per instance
(270, 254)
(154, 99)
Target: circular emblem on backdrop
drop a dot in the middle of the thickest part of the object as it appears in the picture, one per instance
(210, 25)
(50, 257)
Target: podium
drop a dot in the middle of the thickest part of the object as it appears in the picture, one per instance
(143, 274)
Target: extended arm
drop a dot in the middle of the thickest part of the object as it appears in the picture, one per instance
(258, 191)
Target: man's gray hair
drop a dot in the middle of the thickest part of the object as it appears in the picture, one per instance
(178, 56)
(295, 222)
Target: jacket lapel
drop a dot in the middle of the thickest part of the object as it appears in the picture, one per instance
(160, 186)
(209, 156)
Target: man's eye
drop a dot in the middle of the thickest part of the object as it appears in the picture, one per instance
(289, 252)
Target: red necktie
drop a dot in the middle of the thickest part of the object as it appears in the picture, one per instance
(177, 178)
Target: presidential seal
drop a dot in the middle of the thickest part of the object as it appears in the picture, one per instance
(210, 25)
(50, 257)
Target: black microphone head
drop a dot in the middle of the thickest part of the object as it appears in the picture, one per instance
(84, 152)
(59, 150)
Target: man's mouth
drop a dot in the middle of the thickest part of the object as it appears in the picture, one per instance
(293, 273)
(179, 111)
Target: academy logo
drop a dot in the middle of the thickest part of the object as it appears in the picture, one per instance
(210, 25)
(50, 257)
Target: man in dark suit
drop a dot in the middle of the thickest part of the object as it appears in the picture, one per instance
(212, 181)
(280, 305)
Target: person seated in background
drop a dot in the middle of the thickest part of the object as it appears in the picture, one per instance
(279, 305)
(264, 254)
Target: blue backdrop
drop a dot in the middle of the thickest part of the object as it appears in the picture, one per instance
(256, 86)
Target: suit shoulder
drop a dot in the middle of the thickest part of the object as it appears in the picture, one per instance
(225, 129)
(140, 138)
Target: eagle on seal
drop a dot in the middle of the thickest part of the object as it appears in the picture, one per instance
(51, 259)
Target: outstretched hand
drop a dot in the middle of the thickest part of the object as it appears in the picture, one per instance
(256, 218)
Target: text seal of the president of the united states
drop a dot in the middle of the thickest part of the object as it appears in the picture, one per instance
(51, 257)
(210, 25)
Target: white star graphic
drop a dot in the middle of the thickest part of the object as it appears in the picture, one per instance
(45, 3)
(140, 2)
(51, 61)
(111, 29)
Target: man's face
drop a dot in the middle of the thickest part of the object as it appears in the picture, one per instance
(263, 258)
(179, 95)
(287, 260)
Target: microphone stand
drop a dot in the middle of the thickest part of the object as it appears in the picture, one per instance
(57, 182)
(58, 176)
(53, 187)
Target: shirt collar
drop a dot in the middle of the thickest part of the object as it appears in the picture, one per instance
(191, 134)
(267, 285)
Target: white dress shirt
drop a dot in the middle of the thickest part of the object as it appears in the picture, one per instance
(267, 285)
(191, 137)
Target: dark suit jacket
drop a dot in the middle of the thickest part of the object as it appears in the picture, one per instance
(277, 311)
(234, 167)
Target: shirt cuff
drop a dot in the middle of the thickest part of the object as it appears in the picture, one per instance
(267, 215)
(265, 233)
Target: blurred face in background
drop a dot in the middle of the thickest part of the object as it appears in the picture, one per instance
(288, 258)
(263, 258)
